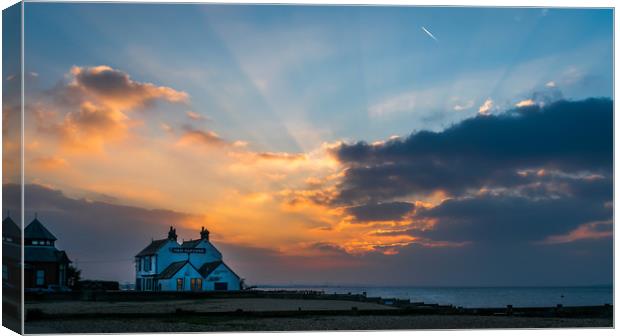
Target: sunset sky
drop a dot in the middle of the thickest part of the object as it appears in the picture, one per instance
(354, 145)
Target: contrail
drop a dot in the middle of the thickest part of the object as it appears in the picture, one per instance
(429, 33)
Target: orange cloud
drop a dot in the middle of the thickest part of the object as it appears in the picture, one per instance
(95, 107)
(280, 156)
(198, 137)
(590, 230)
(89, 127)
(49, 163)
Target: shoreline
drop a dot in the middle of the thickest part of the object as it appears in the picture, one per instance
(243, 312)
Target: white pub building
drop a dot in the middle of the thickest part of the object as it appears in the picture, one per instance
(194, 265)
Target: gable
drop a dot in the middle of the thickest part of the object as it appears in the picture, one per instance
(220, 267)
(187, 270)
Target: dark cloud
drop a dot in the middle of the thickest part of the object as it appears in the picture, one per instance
(484, 151)
(115, 85)
(328, 248)
(540, 174)
(389, 211)
(505, 220)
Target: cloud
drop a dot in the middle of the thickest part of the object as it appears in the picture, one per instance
(461, 107)
(196, 116)
(373, 212)
(486, 107)
(49, 163)
(280, 156)
(506, 219)
(485, 151)
(591, 230)
(529, 175)
(92, 118)
(88, 127)
(85, 229)
(115, 88)
(198, 137)
(525, 103)
(96, 107)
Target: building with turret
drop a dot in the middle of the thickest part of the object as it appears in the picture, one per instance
(45, 267)
(11, 255)
(194, 265)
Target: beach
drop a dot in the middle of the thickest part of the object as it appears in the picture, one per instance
(309, 323)
(200, 305)
(267, 314)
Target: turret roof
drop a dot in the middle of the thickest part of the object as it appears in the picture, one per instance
(36, 230)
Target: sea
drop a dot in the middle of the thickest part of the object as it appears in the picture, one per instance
(476, 297)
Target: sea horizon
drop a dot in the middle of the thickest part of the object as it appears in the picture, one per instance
(476, 297)
(420, 286)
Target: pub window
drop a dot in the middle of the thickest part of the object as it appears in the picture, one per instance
(179, 284)
(40, 277)
(5, 272)
(196, 284)
(138, 264)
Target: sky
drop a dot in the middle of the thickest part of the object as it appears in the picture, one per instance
(325, 144)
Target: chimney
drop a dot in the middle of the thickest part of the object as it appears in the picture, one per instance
(172, 234)
(204, 234)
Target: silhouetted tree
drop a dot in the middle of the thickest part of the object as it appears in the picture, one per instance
(73, 277)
